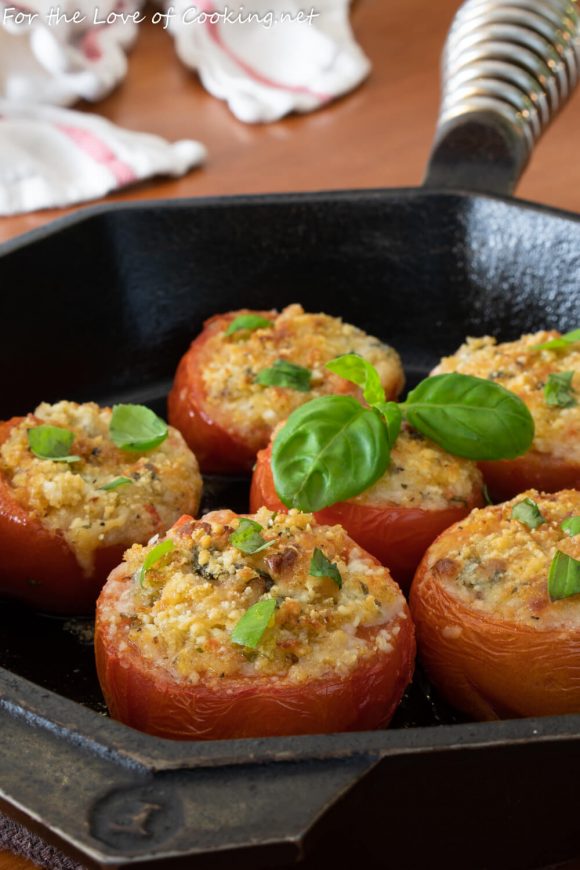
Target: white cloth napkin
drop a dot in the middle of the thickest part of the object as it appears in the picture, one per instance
(52, 157)
(264, 63)
(267, 63)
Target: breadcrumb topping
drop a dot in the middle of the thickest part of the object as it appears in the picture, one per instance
(183, 614)
(230, 365)
(422, 475)
(165, 482)
(498, 565)
(525, 371)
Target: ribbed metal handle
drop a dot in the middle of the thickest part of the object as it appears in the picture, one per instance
(508, 67)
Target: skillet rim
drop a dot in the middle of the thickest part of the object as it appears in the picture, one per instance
(87, 213)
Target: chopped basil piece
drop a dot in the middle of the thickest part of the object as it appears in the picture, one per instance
(52, 442)
(136, 428)
(285, 374)
(320, 566)
(564, 576)
(486, 496)
(116, 483)
(251, 627)
(571, 526)
(249, 323)
(154, 556)
(559, 390)
(247, 537)
(560, 343)
(528, 513)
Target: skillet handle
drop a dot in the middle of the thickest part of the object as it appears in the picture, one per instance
(508, 67)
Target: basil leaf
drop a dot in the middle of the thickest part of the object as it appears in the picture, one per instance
(329, 450)
(247, 537)
(564, 576)
(528, 513)
(354, 368)
(571, 526)
(251, 627)
(560, 343)
(136, 428)
(52, 442)
(249, 322)
(393, 418)
(285, 374)
(320, 566)
(357, 370)
(154, 556)
(116, 483)
(559, 390)
(470, 417)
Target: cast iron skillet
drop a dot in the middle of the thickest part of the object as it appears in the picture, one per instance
(102, 305)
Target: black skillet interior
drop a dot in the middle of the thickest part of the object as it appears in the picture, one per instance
(102, 306)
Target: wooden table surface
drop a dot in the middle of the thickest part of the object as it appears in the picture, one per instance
(378, 136)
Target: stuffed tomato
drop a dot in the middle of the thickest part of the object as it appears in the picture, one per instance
(544, 371)
(423, 491)
(238, 627)
(67, 515)
(496, 605)
(248, 370)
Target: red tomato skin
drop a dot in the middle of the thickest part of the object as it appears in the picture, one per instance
(37, 566)
(506, 478)
(148, 698)
(490, 668)
(218, 451)
(396, 536)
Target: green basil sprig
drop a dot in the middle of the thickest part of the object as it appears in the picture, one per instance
(559, 390)
(571, 526)
(247, 537)
(52, 442)
(251, 627)
(564, 576)
(332, 448)
(561, 343)
(354, 368)
(320, 566)
(528, 513)
(286, 374)
(155, 555)
(248, 323)
(360, 372)
(136, 429)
